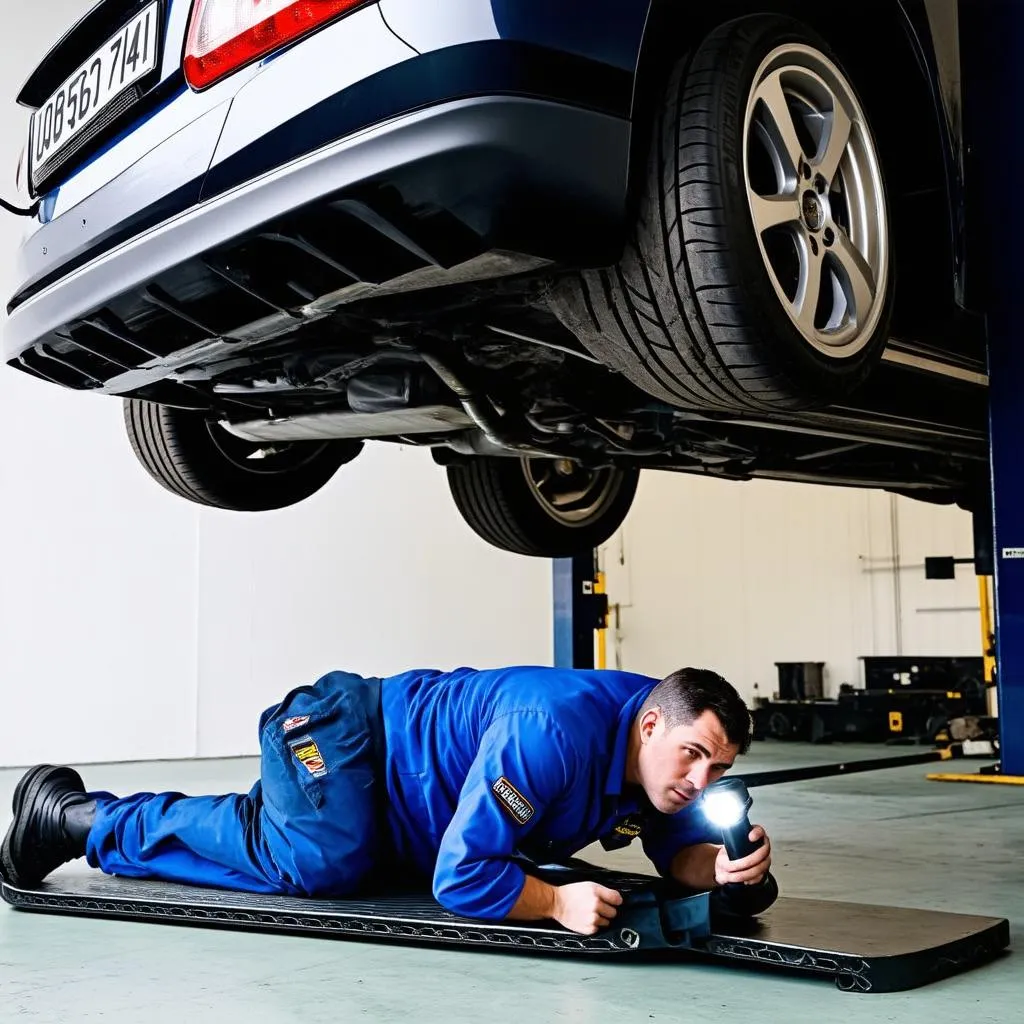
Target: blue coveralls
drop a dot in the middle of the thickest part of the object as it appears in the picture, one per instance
(453, 776)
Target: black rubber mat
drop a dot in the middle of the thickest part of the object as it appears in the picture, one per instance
(415, 917)
(863, 948)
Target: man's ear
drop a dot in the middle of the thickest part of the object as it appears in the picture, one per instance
(649, 722)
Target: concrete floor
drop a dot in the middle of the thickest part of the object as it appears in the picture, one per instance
(888, 837)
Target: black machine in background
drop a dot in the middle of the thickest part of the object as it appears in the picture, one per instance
(904, 699)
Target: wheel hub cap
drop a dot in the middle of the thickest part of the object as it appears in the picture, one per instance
(813, 214)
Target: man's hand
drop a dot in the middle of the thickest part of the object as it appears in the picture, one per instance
(585, 907)
(750, 869)
(581, 907)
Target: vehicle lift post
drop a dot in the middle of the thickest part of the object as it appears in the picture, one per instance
(580, 608)
(992, 43)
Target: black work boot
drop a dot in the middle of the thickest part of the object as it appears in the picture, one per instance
(52, 818)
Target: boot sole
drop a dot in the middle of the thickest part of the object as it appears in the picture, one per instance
(26, 790)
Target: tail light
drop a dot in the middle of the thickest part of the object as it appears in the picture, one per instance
(225, 35)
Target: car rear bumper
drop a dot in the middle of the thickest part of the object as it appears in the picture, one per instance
(481, 186)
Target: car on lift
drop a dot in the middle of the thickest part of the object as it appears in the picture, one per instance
(554, 242)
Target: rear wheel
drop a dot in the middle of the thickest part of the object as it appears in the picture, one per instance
(548, 508)
(759, 271)
(194, 457)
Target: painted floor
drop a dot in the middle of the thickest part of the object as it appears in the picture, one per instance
(888, 837)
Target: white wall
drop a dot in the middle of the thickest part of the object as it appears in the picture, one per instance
(134, 624)
(738, 576)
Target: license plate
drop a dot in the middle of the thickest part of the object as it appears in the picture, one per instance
(120, 62)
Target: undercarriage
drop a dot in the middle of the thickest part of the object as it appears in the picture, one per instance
(492, 373)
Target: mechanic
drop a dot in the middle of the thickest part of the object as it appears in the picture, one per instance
(461, 778)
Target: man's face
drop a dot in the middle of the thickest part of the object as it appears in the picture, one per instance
(674, 766)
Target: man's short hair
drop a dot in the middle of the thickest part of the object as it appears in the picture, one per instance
(686, 694)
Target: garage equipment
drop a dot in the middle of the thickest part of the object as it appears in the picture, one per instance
(580, 613)
(990, 41)
(863, 948)
(904, 699)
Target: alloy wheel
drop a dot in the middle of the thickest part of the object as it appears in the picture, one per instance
(816, 198)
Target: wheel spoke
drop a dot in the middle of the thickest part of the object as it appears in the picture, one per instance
(856, 278)
(771, 211)
(573, 500)
(805, 303)
(780, 122)
(541, 478)
(827, 162)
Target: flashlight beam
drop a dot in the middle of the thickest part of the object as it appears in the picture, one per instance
(822, 771)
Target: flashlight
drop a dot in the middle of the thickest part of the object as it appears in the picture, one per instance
(725, 805)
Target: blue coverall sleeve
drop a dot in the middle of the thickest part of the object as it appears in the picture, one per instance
(670, 833)
(523, 765)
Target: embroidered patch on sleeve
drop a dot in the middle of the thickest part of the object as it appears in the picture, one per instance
(291, 724)
(623, 832)
(631, 827)
(512, 800)
(308, 755)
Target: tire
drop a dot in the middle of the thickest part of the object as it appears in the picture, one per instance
(780, 726)
(520, 504)
(702, 311)
(196, 458)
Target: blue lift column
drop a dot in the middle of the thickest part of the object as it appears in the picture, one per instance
(579, 609)
(992, 63)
